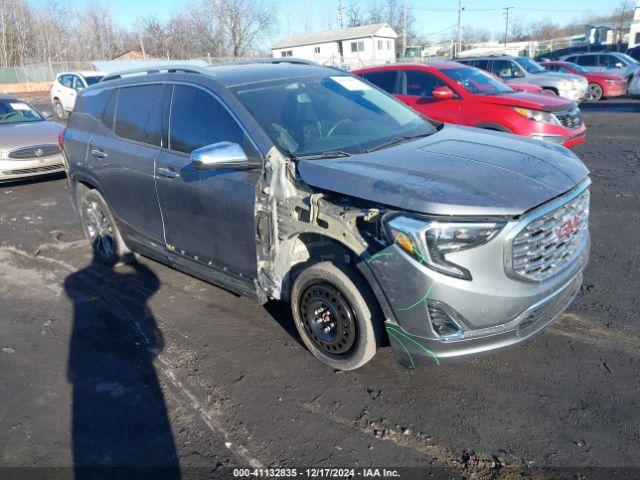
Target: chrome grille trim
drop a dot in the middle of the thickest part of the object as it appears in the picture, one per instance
(26, 171)
(572, 119)
(29, 153)
(534, 250)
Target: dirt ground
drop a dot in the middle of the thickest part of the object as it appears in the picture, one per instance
(147, 368)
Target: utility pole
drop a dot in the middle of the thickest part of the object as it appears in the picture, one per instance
(144, 55)
(460, 8)
(507, 12)
(404, 30)
(340, 14)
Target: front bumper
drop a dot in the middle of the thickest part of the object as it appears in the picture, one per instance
(20, 169)
(570, 141)
(494, 310)
(575, 94)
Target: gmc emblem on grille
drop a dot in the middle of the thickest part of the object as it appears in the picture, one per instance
(569, 227)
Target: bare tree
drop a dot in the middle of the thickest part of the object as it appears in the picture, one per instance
(245, 22)
(355, 15)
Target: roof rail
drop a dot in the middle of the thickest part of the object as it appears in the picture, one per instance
(249, 61)
(151, 70)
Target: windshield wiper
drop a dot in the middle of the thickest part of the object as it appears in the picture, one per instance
(396, 140)
(324, 155)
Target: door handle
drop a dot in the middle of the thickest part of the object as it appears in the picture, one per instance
(167, 172)
(98, 153)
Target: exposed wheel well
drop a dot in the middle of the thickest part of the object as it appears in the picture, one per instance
(493, 126)
(551, 89)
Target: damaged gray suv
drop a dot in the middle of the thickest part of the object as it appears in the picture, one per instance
(306, 184)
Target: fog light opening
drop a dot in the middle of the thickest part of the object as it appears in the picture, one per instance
(442, 323)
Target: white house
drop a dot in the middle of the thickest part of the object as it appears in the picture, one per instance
(634, 32)
(351, 47)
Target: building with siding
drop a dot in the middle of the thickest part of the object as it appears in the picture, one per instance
(351, 47)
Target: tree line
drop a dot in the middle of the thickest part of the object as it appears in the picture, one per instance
(55, 32)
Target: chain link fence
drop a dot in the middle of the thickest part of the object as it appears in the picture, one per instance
(39, 72)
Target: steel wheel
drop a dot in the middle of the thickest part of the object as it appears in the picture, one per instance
(328, 319)
(595, 92)
(100, 230)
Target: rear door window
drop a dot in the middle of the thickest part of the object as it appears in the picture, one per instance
(421, 84)
(67, 80)
(198, 119)
(139, 114)
(481, 64)
(587, 60)
(386, 79)
(505, 69)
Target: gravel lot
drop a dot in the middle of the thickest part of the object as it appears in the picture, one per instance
(146, 367)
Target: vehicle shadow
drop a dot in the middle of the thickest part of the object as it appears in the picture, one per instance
(281, 313)
(627, 105)
(120, 426)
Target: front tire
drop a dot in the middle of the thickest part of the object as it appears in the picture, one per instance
(595, 92)
(336, 315)
(101, 230)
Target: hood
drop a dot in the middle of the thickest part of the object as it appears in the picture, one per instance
(456, 171)
(536, 101)
(19, 135)
(545, 77)
(525, 87)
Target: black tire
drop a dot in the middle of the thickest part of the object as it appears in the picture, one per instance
(326, 295)
(101, 230)
(594, 93)
(59, 110)
(550, 90)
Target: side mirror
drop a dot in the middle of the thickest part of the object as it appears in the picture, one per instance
(619, 65)
(46, 114)
(219, 156)
(518, 74)
(443, 93)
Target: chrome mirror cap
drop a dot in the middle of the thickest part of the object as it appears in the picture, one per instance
(219, 156)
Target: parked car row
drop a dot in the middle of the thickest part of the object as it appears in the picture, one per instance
(455, 93)
(318, 188)
(66, 88)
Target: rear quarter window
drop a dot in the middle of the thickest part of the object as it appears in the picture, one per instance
(139, 114)
(386, 80)
(92, 103)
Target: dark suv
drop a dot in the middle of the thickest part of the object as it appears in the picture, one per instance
(307, 184)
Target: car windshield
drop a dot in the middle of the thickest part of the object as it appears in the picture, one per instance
(16, 111)
(629, 59)
(529, 65)
(93, 79)
(330, 116)
(476, 81)
(577, 68)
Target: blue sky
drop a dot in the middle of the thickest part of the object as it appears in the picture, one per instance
(429, 19)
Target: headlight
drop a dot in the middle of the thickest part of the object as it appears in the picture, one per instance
(537, 115)
(429, 242)
(615, 82)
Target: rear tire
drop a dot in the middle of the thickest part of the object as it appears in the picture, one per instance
(594, 93)
(336, 315)
(101, 230)
(550, 91)
(59, 110)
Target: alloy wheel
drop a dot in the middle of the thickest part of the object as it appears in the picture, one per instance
(100, 230)
(595, 92)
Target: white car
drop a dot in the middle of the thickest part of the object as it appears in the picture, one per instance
(65, 89)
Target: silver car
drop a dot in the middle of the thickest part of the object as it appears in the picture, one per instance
(606, 62)
(28, 142)
(634, 85)
(525, 70)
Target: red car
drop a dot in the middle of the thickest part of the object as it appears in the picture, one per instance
(601, 85)
(455, 93)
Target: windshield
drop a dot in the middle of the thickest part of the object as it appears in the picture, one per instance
(577, 68)
(476, 81)
(15, 111)
(529, 65)
(337, 114)
(629, 59)
(93, 79)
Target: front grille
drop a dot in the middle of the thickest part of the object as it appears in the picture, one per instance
(572, 119)
(551, 241)
(34, 151)
(26, 171)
